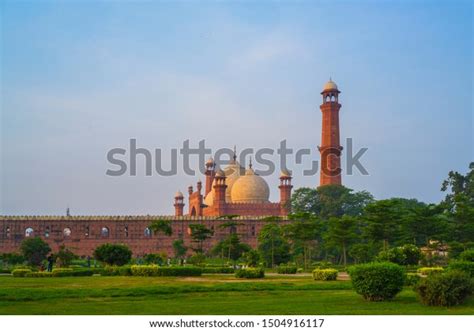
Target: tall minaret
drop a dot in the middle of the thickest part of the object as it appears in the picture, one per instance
(330, 148)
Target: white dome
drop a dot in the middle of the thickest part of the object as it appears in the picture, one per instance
(330, 85)
(250, 188)
(232, 173)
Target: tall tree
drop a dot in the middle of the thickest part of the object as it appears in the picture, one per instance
(384, 220)
(34, 250)
(330, 201)
(272, 245)
(341, 233)
(199, 234)
(303, 231)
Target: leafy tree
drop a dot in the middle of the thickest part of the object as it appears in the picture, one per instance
(113, 254)
(162, 226)
(179, 249)
(152, 258)
(34, 250)
(330, 201)
(64, 257)
(233, 245)
(302, 231)
(384, 219)
(232, 226)
(199, 234)
(362, 253)
(272, 245)
(424, 223)
(459, 204)
(252, 258)
(404, 255)
(341, 234)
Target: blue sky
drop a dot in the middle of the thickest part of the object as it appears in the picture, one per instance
(81, 78)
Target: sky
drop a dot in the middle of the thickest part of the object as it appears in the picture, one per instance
(81, 78)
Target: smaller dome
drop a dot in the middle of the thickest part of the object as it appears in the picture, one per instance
(330, 85)
(178, 194)
(220, 173)
(285, 173)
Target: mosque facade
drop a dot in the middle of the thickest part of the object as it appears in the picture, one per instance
(233, 190)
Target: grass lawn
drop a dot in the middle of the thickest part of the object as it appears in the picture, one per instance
(216, 295)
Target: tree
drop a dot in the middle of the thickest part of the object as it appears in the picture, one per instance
(384, 220)
(302, 231)
(459, 204)
(330, 201)
(362, 253)
(113, 254)
(233, 245)
(34, 250)
(424, 223)
(64, 257)
(179, 249)
(273, 247)
(252, 258)
(152, 258)
(199, 233)
(341, 233)
(232, 226)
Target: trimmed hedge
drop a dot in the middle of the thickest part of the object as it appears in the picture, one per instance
(20, 272)
(116, 271)
(285, 269)
(445, 289)
(426, 271)
(39, 274)
(218, 270)
(250, 273)
(377, 281)
(153, 270)
(325, 274)
(466, 266)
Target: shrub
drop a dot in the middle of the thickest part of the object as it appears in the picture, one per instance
(12, 258)
(64, 256)
(20, 272)
(377, 281)
(34, 250)
(154, 258)
(218, 270)
(466, 266)
(412, 279)
(285, 269)
(113, 254)
(116, 271)
(324, 274)
(467, 255)
(445, 289)
(252, 258)
(144, 270)
(153, 270)
(404, 255)
(426, 271)
(250, 273)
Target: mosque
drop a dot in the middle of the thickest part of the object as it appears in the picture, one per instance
(233, 190)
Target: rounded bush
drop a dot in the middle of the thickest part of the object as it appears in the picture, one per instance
(113, 254)
(116, 271)
(466, 266)
(285, 269)
(153, 270)
(21, 272)
(445, 289)
(377, 281)
(325, 274)
(250, 273)
(426, 271)
(467, 255)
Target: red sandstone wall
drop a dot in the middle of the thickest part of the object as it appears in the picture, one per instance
(82, 244)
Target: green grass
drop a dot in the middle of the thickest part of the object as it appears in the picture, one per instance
(210, 294)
